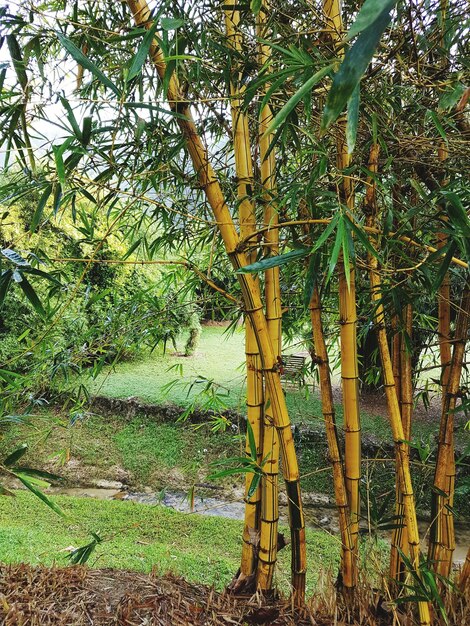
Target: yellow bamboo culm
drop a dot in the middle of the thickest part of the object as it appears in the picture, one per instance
(404, 391)
(270, 480)
(445, 525)
(348, 556)
(347, 311)
(251, 300)
(254, 379)
(402, 461)
(441, 541)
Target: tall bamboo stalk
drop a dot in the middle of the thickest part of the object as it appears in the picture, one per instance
(348, 314)
(254, 379)
(446, 528)
(348, 552)
(441, 541)
(270, 480)
(251, 299)
(404, 392)
(402, 461)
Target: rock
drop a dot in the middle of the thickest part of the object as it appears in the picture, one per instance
(119, 474)
(107, 484)
(148, 490)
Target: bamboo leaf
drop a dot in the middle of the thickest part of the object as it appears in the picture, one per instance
(311, 278)
(139, 58)
(5, 282)
(353, 118)
(274, 261)
(255, 6)
(16, 455)
(451, 97)
(59, 163)
(326, 233)
(17, 59)
(71, 117)
(438, 125)
(346, 253)
(253, 485)
(38, 213)
(361, 236)
(134, 247)
(336, 249)
(32, 297)
(14, 257)
(296, 98)
(42, 496)
(353, 67)
(369, 13)
(86, 131)
(171, 23)
(450, 249)
(252, 442)
(81, 555)
(36, 272)
(83, 60)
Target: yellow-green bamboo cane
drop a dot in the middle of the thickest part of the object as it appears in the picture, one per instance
(401, 448)
(442, 543)
(404, 391)
(270, 480)
(252, 302)
(347, 313)
(348, 556)
(254, 379)
(445, 524)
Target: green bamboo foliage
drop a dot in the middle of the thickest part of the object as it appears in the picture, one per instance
(442, 541)
(402, 461)
(254, 380)
(252, 303)
(270, 479)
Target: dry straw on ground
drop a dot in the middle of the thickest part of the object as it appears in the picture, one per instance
(77, 596)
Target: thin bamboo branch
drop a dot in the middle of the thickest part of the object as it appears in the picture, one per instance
(187, 264)
(368, 229)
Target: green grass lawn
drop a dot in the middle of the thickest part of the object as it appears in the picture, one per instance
(140, 537)
(214, 378)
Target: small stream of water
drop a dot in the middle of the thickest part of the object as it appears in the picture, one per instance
(317, 516)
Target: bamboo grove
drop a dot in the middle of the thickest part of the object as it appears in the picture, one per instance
(320, 149)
